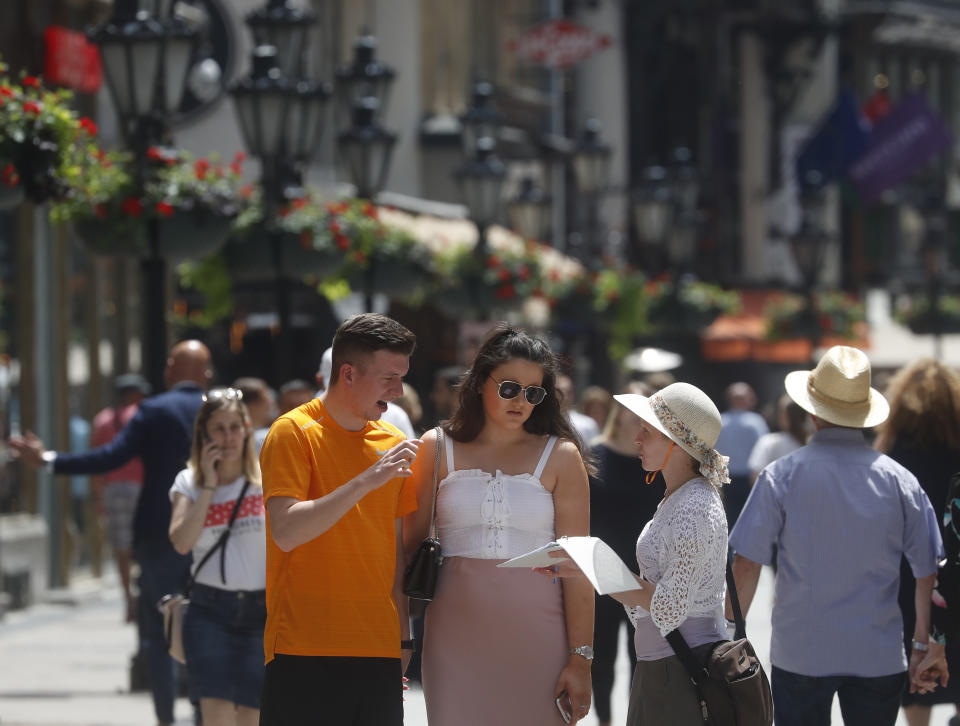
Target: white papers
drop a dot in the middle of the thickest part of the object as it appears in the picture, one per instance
(606, 572)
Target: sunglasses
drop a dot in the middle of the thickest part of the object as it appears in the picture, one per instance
(225, 394)
(508, 390)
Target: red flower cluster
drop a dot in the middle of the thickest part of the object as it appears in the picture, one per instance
(6, 91)
(200, 168)
(31, 81)
(132, 207)
(158, 153)
(505, 292)
(32, 107)
(89, 126)
(9, 176)
(164, 209)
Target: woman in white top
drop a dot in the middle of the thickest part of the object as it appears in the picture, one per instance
(503, 645)
(681, 552)
(794, 425)
(223, 625)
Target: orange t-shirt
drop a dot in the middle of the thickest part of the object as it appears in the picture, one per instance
(333, 596)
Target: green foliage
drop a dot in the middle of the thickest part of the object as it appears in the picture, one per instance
(208, 277)
(834, 314)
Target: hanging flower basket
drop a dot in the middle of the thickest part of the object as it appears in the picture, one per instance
(107, 239)
(251, 258)
(916, 312)
(832, 315)
(192, 235)
(395, 278)
(690, 309)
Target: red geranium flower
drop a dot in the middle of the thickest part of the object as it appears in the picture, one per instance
(32, 107)
(132, 207)
(335, 227)
(7, 91)
(504, 274)
(156, 153)
(89, 126)
(246, 191)
(524, 273)
(342, 242)
(493, 261)
(101, 211)
(239, 157)
(554, 275)
(165, 209)
(236, 168)
(505, 292)
(370, 210)
(9, 176)
(200, 168)
(300, 202)
(306, 240)
(31, 81)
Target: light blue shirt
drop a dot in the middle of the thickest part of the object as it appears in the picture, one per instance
(840, 515)
(741, 430)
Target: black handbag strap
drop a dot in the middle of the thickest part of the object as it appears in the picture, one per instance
(436, 477)
(679, 645)
(220, 545)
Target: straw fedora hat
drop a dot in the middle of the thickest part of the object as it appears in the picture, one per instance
(685, 415)
(838, 390)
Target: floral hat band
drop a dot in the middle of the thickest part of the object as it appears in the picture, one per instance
(713, 465)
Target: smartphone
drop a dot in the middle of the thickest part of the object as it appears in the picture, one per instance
(563, 706)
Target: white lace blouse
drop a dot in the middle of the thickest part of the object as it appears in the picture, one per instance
(493, 516)
(683, 549)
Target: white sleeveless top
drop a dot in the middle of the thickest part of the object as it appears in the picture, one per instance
(493, 516)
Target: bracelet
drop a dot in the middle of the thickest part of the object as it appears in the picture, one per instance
(410, 645)
(920, 647)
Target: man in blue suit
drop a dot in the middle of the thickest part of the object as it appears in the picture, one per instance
(160, 434)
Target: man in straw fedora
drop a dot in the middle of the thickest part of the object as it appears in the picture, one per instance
(839, 516)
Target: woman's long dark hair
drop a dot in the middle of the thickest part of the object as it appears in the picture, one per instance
(504, 344)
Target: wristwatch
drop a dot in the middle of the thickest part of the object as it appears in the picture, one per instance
(584, 651)
(920, 647)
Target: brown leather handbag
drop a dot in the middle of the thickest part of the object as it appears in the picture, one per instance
(420, 576)
(731, 686)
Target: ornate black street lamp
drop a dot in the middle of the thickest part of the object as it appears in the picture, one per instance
(481, 182)
(365, 77)
(480, 120)
(146, 62)
(366, 149)
(591, 165)
(653, 208)
(284, 26)
(530, 209)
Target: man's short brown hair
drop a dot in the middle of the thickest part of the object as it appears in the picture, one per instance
(360, 336)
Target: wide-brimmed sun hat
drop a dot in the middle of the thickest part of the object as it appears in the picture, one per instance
(838, 390)
(685, 415)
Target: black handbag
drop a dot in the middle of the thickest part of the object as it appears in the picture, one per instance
(731, 686)
(420, 576)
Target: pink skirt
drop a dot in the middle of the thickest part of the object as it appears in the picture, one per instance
(495, 642)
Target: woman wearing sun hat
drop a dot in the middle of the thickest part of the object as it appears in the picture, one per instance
(681, 552)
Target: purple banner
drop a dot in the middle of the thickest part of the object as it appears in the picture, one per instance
(901, 142)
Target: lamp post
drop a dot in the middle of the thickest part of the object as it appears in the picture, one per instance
(935, 263)
(591, 165)
(808, 245)
(481, 182)
(280, 113)
(146, 62)
(529, 210)
(365, 77)
(653, 211)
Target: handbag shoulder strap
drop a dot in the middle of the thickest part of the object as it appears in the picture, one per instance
(436, 482)
(739, 624)
(679, 645)
(221, 543)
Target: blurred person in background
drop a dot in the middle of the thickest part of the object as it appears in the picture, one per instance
(294, 394)
(160, 434)
(223, 624)
(597, 403)
(742, 428)
(443, 395)
(585, 426)
(923, 434)
(618, 502)
(794, 425)
(119, 489)
(410, 403)
(261, 403)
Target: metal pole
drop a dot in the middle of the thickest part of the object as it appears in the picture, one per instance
(558, 187)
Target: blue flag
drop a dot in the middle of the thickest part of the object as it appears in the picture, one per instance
(838, 142)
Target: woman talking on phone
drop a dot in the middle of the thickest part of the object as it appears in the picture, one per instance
(681, 552)
(218, 514)
(503, 646)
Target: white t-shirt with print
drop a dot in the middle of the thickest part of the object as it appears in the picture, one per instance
(246, 552)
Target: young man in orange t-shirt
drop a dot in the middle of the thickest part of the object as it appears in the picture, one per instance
(334, 483)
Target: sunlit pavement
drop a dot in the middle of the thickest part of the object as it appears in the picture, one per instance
(65, 663)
